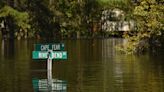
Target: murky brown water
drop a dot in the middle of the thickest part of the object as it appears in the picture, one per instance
(92, 66)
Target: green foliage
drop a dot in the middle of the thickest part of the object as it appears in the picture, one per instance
(49, 18)
(1, 4)
(125, 5)
(42, 19)
(149, 15)
(20, 19)
(75, 16)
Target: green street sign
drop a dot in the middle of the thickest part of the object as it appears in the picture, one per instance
(46, 47)
(59, 55)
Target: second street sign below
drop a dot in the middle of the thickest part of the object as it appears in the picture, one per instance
(61, 55)
(46, 47)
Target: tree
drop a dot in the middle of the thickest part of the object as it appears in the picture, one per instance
(149, 16)
(42, 19)
(16, 22)
(76, 16)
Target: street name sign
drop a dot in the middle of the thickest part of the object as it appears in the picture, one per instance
(46, 47)
(59, 55)
(49, 52)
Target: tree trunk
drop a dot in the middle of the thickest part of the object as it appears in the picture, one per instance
(11, 26)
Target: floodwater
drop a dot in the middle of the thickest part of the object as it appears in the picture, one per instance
(92, 66)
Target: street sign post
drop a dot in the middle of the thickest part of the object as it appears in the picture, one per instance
(49, 52)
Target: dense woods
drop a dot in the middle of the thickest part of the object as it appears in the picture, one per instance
(57, 18)
(62, 19)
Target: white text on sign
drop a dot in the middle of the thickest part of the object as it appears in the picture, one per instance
(50, 47)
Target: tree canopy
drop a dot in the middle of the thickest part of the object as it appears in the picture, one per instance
(20, 19)
(66, 18)
(149, 16)
(69, 16)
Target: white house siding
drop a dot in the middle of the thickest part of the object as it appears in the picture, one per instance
(119, 24)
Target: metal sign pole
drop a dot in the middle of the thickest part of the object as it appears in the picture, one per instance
(49, 52)
(49, 70)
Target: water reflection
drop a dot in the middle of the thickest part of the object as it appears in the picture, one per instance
(14, 67)
(92, 66)
(7, 48)
(41, 85)
(49, 84)
(99, 67)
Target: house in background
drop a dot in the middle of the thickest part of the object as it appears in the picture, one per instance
(113, 20)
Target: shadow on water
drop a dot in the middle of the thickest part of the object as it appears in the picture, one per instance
(7, 48)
